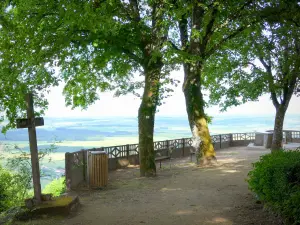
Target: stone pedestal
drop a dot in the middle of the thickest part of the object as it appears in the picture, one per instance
(259, 139)
(268, 137)
(263, 139)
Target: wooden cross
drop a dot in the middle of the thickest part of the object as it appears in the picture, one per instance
(31, 122)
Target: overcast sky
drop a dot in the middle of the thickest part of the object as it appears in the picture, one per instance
(175, 105)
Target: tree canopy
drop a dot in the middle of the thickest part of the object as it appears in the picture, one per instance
(19, 76)
(200, 30)
(265, 60)
(97, 46)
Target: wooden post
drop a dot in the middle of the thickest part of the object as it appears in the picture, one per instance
(220, 137)
(33, 149)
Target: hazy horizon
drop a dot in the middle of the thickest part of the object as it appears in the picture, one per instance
(128, 105)
(100, 128)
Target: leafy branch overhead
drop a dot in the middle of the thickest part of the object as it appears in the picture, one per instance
(96, 45)
(265, 61)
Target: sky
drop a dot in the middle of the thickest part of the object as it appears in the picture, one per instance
(175, 105)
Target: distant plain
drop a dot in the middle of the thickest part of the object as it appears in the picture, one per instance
(73, 134)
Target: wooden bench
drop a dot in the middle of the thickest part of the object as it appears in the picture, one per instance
(160, 157)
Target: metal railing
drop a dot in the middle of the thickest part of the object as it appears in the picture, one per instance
(133, 149)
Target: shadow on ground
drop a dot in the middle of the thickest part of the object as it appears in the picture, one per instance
(182, 193)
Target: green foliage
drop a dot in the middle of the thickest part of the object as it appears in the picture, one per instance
(276, 181)
(19, 161)
(19, 76)
(11, 189)
(16, 180)
(5, 181)
(97, 46)
(263, 59)
(56, 187)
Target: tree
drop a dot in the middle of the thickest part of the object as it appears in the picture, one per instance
(18, 77)
(265, 61)
(98, 45)
(204, 27)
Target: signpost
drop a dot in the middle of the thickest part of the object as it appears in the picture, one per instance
(31, 122)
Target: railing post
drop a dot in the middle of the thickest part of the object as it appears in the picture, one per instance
(168, 150)
(183, 146)
(230, 140)
(67, 171)
(288, 136)
(83, 165)
(127, 151)
(220, 138)
(108, 152)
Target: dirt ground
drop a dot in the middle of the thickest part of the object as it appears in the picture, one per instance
(181, 194)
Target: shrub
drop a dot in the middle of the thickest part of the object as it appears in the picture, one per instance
(56, 187)
(276, 181)
(13, 189)
(5, 182)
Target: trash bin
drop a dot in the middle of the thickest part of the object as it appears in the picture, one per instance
(97, 169)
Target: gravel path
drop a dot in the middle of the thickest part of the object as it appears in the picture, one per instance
(182, 194)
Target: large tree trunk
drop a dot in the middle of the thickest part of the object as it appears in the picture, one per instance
(192, 85)
(146, 118)
(278, 127)
(195, 110)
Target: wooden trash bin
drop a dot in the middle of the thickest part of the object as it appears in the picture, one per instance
(97, 169)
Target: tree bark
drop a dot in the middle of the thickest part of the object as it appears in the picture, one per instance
(146, 118)
(196, 116)
(192, 85)
(278, 127)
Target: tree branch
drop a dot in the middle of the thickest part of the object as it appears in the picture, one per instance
(252, 64)
(289, 90)
(224, 40)
(271, 82)
(263, 62)
(174, 46)
(197, 19)
(154, 16)
(183, 26)
(285, 71)
(135, 6)
(131, 55)
(209, 29)
(235, 16)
